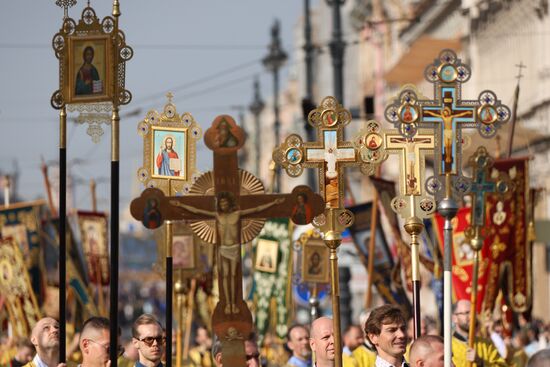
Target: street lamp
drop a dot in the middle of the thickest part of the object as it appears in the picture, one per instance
(337, 46)
(273, 62)
(256, 107)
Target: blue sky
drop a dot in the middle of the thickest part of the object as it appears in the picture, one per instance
(206, 52)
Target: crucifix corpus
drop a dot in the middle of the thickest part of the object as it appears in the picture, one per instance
(330, 154)
(227, 207)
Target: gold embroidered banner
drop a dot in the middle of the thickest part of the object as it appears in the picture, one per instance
(15, 286)
(506, 248)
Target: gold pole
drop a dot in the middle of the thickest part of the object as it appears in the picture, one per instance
(477, 244)
(189, 318)
(335, 289)
(178, 289)
(372, 243)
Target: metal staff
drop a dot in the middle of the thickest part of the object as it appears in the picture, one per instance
(62, 231)
(115, 197)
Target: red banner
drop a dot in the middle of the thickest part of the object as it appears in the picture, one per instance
(506, 248)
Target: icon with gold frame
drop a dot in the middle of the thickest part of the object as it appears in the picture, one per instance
(315, 261)
(169, 149)
(267, 252)
(92, 61)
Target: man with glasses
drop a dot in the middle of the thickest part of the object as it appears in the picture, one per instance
(94, 343)
(484, 353)
(149, 340)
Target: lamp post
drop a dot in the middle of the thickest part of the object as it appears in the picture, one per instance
(307, 102)
(273, 62)
(256, 107)
(337, 46)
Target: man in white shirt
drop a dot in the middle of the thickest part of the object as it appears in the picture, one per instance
(45, 338)
(322, 342)
(386, 329)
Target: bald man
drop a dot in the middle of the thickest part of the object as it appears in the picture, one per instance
(484, 352)
(321, 342)
(427, 351)
(94, 342)
(45, 338)
(540, 359)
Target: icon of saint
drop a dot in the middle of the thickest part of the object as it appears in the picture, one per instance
(168, 159)
(87, 78)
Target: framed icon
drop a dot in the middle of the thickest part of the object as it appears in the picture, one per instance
(267, 255)
(315, 262)
(89, 73)
(169, 153)
(183, 251)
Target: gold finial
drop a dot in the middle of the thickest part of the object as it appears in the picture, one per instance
(65, 4)
(116, 8)
(169, 95)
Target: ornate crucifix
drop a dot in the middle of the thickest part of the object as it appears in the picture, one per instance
(412, 204)
(482, 185)
(449, 114)
(330, 155)
(228, 207)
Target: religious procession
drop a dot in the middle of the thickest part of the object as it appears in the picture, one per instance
(384, 205)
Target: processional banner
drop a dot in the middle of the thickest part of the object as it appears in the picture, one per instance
(95, 246)
(15, 286)
(389, 290)
(21, 221)
(272, 277)
(506, 246)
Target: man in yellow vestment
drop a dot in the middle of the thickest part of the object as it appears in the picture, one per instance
(484, 353)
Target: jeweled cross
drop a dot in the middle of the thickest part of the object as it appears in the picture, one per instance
(482, 185)
(449, 114)
(330, 154)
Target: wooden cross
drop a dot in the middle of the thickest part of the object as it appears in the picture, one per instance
(448, 113)
(229, 208)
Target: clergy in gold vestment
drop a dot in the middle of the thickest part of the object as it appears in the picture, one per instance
(484, 353)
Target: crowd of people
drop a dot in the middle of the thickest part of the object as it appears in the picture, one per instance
(383, 340)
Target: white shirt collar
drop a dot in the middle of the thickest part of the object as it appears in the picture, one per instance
(38, 362)
(381, 362)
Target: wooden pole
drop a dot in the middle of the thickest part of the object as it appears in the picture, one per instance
(93, 194)
(189, 318)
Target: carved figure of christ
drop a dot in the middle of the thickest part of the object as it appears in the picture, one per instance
(412, 151)
(329, 154)
(228, 218)
(448, 115)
